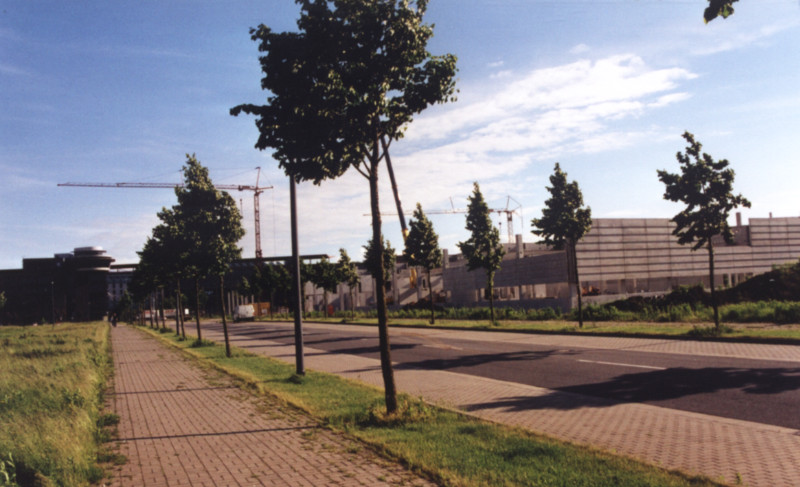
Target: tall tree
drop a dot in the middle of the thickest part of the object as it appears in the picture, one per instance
(348, 273)
(342, 89)
(422, 249)
(563, 223)
(211, 224)
(483, 249)
(706, 187)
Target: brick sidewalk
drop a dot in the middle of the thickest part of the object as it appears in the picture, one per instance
(719, 448)
(181, 425)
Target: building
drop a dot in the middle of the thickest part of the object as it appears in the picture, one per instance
(617, 258)
(68, 286)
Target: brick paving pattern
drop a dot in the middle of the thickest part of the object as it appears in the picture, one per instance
(181, 425)
(719, 448)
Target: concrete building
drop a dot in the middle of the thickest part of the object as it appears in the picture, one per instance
(616, 259)
(68, 286)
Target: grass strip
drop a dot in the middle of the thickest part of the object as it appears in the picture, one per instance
(454, 449)
(754, 332)
(51, 397)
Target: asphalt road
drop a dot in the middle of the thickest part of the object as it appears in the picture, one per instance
(752, 390)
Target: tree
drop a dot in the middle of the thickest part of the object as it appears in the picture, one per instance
(422, 248)
(483, 249)
(563, 223)
(348, 273)
(705, 186)
(376, 260)
(324, 275)
(211, 225)
(168, 255)
(276, 280)
(718, 8)
(342, 89)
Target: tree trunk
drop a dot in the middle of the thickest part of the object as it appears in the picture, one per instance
(713, 290)
(161, 309)
(151, 309)
(430, 296)
(383, 328)
(574, 258)
(197, 307)
(224, 318)
(177, 309)
(490, 290)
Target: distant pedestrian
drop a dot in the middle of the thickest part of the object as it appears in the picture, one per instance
(113, 319)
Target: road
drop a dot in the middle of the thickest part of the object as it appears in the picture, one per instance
(758, 390)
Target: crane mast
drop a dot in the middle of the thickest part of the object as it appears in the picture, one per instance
(257, 190)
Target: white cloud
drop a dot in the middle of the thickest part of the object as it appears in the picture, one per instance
(729, 37)
(580, 49)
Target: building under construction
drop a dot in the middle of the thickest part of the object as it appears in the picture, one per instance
(618, 258)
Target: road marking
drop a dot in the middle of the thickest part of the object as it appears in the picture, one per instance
(623, 365)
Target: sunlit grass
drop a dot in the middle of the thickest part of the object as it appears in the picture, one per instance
(50, 400)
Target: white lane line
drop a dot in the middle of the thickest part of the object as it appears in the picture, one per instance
(623, 365)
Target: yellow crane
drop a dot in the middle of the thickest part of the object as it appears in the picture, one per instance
(256, 189)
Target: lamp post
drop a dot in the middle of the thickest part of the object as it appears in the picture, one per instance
(298, 317)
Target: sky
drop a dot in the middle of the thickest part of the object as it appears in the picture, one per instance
(96, 91)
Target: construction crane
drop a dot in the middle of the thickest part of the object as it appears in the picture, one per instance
(256, 189)
(509, 211)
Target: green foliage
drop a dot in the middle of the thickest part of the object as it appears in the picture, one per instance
(325, 275)
(371, 256)
(483, 249)
(422, 244)
(422, 249)
(718, 8)
(564, 219)
(353, 73)
(209, 222)
(348, 272)
(705, 186)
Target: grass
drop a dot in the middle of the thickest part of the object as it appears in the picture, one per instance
(760, 331)
(451, 448)
(51, 390)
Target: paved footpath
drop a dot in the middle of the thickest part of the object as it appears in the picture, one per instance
(181, 425)
(753, 454)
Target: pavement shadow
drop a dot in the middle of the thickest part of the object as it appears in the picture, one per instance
(680, 382)
(654, 386)
(475, 360)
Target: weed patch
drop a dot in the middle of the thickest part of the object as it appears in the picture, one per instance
(50, 395)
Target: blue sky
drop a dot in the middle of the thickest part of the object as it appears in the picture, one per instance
(120, 92)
